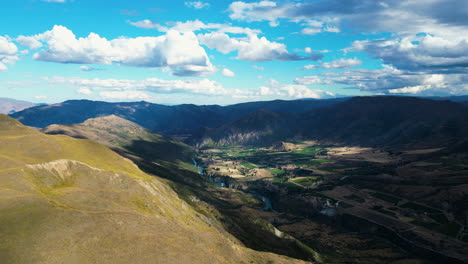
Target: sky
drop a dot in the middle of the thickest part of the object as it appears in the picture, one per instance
(224, 52)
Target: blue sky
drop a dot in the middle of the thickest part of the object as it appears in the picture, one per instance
(223, 52)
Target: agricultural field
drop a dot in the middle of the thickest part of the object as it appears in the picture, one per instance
(389, 187)
(301, 166)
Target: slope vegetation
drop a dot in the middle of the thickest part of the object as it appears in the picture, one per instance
(177, 119)
(365, 121)
(65, 200)
(120, 134)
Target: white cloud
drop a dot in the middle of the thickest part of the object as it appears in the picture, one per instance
(418, 52)
(8, 53)
(197, 4)
(86, 68)
(30, 42)
(228, 73)
(180, 52)
(154, 85)
(251, 48)
(197, 25)
(293, 91)
(313, 26)
(125, 95)
(336, 64)
(308, 80)
(393, 81)
(148, 24)
(84, 90)
(40, 97)
(253, 11)
(437, 17)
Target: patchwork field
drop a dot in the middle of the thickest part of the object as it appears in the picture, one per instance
(390, 188)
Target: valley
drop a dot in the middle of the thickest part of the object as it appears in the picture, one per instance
(283, 182)
(376, 185)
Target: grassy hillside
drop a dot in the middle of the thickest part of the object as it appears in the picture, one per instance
(118, 133)
(172, 160)
(65, 200)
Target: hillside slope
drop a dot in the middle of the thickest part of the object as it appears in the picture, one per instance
(65, 200)
(178, 119)
(365, 121)
(117, 133)
(389, 120)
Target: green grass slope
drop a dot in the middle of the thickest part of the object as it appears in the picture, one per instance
(118, 133)
(66, 200)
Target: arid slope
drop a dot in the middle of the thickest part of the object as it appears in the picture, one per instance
(65, 200)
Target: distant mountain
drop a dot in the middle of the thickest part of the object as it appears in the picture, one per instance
(179, 119)
(379, 120)
(458, 99)
(262, 127)
(66, 200)
(387, 120)
(10, 106)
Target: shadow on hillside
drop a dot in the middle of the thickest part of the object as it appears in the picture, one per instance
(156, 151)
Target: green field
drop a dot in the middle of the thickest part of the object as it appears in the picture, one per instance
(276, 171)
(311, 162)
(248, 165)
(307, 181)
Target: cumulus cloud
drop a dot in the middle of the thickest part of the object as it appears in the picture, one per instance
(336, 64)
(147, 24)
(30, 42)
(8, 53)
(390, 80)
(251, 48)
(293, 91)
(426, 53)
(256, 11)
(197, 4)
(197, 25)
(417, 52)
(228, 73)
(180, 52)
(442, 17)
(312, 26)
(84, 90)
(154, 85)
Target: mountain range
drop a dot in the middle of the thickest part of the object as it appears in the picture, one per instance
(366, 121)
(374, 120)
(178, 119)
